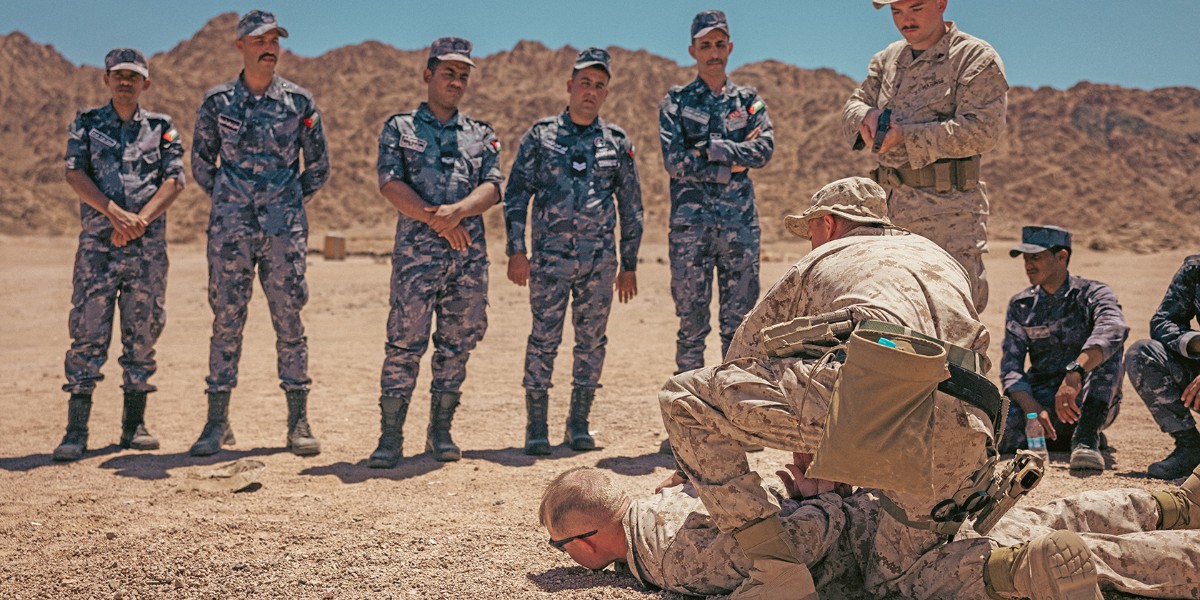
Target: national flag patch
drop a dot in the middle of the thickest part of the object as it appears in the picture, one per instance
(495, 144)
(171, 136)
(757, 106)
(630, 151)
(313, 121)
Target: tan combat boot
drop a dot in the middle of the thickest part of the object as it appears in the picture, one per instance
(1180, 508)
(1055, 566)
(775, 572)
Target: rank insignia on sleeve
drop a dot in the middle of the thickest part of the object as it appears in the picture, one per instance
(757, 106)
(313, 121)
(495, 144)
(171, 136)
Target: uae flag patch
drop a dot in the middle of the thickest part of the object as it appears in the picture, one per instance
(757, 106)
(313, 121)
(171, 136)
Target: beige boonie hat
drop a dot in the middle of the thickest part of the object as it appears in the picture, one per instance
(855, 199)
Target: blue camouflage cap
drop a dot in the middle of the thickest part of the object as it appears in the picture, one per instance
(126, 59)
(258, 22)
(451, 48)
(708, 20)
(1037, 238)
(593, 57)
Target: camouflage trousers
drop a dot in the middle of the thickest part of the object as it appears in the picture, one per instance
(1099, 404)
(1160, 376)
(133, 277)
(584, 276)
(709, 413)
(453, 287)
(1118, 526)
(961, 232)
(280, 262)
(695, 252)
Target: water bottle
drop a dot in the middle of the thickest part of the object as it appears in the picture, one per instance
(1036, 436)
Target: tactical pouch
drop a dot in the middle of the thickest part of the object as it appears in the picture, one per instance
(942, 182)
(809, 337)
(879, 432)
(966, 173)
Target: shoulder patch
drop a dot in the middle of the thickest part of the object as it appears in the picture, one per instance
(171, 136)
(494, 145)
(313, 120)
(757, 107)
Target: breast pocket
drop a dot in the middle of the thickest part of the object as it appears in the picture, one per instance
(936, 102)
(285, 135)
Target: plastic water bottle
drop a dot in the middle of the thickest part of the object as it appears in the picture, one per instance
(1036, 436)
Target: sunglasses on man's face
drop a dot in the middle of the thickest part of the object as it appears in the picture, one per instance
(558, 544)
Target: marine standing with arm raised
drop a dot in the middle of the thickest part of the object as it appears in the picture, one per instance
(126, 166)
(441, 170)
(948, 96)
(712, 132)
(252, 135)
(573, 165)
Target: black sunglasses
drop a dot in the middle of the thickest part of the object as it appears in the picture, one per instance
(558, 544)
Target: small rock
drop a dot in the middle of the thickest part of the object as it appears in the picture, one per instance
(112, 535)
(35, 523)
(240, 567)
(499, 502)
(178, 583)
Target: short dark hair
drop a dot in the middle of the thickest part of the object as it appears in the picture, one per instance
(432, 63)
(1054, 250)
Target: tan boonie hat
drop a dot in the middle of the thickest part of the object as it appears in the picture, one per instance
(855, 199)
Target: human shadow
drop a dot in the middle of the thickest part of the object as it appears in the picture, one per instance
(30, 462)
(561, 579)
(636, 465)
(516, 457)
(358, 472)
(151, 467)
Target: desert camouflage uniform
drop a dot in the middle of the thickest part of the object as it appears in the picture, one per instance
(1052, 329)
(783, 403)
(951, 101)
(572, 173)
(442, 163)
(714, 221)
(257, 221)
(128, 161)
(672, 544)
(1161, 367)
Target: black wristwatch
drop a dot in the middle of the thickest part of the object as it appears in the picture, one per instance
(1074, 367)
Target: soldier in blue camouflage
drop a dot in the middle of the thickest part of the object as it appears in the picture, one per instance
(1165, 370)
(441, 170)
(712, 131)
(126, 166)
(572, 165)
(251, 133)
(1073, 331)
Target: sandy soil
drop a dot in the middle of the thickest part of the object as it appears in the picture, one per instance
(123, 524)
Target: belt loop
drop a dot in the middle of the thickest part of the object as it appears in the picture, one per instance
(968, 173)
(941, 177)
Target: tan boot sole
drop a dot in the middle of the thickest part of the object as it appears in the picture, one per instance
(1062, 569)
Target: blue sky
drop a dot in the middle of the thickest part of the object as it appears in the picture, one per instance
(1143, 43)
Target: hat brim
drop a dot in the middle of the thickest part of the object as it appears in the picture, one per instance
(579, 66)
(265, 28)
(1026, 249)
(706, 30)
(128, 66)
(797, 225)
(456, 57)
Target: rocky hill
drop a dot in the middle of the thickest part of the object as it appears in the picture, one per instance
(1119, 166)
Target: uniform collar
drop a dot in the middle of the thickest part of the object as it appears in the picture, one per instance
(111, 113)
(565, 122)
(699, 85)
(275, 90)
(630, 522)
(939, 50)
(423, 113)
(1068, 288)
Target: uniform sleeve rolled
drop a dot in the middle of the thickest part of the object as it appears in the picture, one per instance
(206, 146)
(1171, 323)
(1013, 352)
(978, 120)
(522, 180)
(864, 98)
(816, 526)
(1109, 330)
(78, 156)
(754, 154)
(316, 152)
(172, 154)
(629, 207)
(681, 163)
(390, 163)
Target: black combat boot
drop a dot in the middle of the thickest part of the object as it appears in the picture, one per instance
(537, 435)
(300, 439)
(133, 424)
(217, 431)
(441, 415)
(1085, 441)
(578, 436)
(1181, 461)
(79, 410)
(393, 410)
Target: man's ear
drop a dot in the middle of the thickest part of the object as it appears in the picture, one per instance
(427, 75)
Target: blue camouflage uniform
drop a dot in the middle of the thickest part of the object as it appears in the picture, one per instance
(442, 163)
(247, 156)
(714, 222)
(572, 172)
(128, 161)
(1161, 367)
(1052, 330)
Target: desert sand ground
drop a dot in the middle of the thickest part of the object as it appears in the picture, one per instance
(124, 524)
